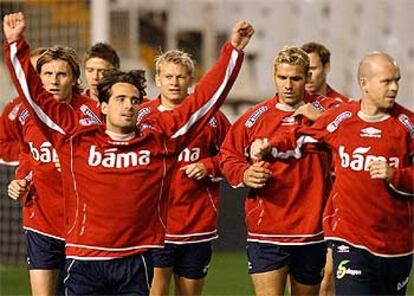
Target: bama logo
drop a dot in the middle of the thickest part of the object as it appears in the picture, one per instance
(190, 154)
(110, 159)
(252, 119)
(45, 153)
(342, 270)
(359, 159)
(333, 126)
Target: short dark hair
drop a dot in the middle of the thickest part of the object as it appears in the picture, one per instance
(103, 51)
(323, 53)
(111, 77)
(64, 53)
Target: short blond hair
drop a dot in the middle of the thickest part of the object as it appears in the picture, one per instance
(176, 57)
(292, 55)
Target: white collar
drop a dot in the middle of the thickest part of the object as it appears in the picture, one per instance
(373, 118)
(120, 137)
(163, 108)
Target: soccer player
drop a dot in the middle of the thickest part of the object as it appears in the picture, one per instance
(115, 174)
(320, 65)
(9, 123)
(284, 206)
(37, 176)
(368, 217)
(194, 194)
(98, 58)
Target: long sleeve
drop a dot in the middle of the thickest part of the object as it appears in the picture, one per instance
(402, 182)
(51, 115)
(209, 94)
(234, 159)
(10, 133)
(212, 163)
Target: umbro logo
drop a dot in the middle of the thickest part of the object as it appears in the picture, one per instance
(371, 132)
(343, 249)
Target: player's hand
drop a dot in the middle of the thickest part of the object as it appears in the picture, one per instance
(380, 170)
(308, 111)
(259, 149)
(241, 34)
(196, 171)
(17, 188)
(256, 175)
(13, 26)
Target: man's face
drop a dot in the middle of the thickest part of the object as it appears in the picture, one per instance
(173, 81)
(290, 83)
(319, 73)
(381, 88)
(58, 79)
(94, 70)
(122, 108)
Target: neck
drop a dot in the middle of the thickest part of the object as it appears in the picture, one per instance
(93, 96)
(323, 90)
(170, 104)
(287, 107)
(67, 100)
(370, 109)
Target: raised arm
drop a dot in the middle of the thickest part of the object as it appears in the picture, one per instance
(211, 91)
(52, 115)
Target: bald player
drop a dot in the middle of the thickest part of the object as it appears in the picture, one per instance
(368, 218)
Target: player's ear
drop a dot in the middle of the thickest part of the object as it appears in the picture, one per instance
(157, 80)
(104, 108)
(327, 68)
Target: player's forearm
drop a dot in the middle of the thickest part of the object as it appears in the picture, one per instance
(9, 151)
(212, 165)
(402, 181)
(294, 143)
(209, 94)
(232, 168)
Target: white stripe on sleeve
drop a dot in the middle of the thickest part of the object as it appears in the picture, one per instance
(18, 69)
(206, 107)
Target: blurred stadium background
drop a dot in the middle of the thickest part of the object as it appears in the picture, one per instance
(140, 29)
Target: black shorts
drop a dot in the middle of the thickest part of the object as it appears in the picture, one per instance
(306, 262)
(189, 260)
(127, 276)
(358, 272)
(44, 252)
